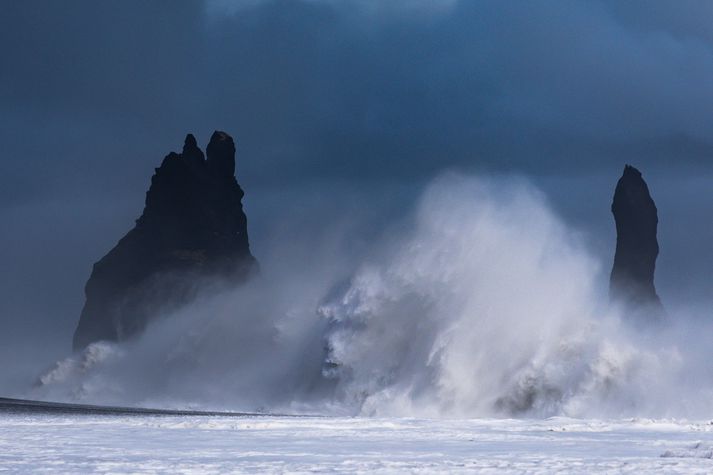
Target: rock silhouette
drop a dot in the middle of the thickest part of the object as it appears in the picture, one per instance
(636, 217)
(192, 228)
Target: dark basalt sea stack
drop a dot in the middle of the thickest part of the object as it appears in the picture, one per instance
(192, 230)
(632, 277)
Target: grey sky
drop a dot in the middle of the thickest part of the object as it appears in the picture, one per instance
(337, 106)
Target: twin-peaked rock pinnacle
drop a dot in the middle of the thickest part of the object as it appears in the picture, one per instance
(192, 229)
(632, 277)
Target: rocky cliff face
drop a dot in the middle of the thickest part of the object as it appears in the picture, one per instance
(635, 214)
(192, 227)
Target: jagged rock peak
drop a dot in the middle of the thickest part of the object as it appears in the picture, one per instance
(221, 153)
(633, 180)
(190, 142)
(192, 230)
(191, 153)
(636, 218)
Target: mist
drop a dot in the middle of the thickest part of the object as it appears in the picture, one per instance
(479, 302)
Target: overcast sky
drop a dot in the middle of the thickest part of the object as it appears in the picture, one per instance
(341, 107)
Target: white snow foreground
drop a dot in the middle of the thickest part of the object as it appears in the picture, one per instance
(193, 444)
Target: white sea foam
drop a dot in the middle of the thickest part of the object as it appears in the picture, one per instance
(181, 444)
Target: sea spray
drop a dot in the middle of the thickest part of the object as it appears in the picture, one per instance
(486, 304)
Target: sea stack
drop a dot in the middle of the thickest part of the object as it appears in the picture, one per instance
(192, 231)
(632, 276)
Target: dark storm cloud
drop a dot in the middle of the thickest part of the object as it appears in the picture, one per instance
(336, 105)
(352, 90)
(485, 84)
